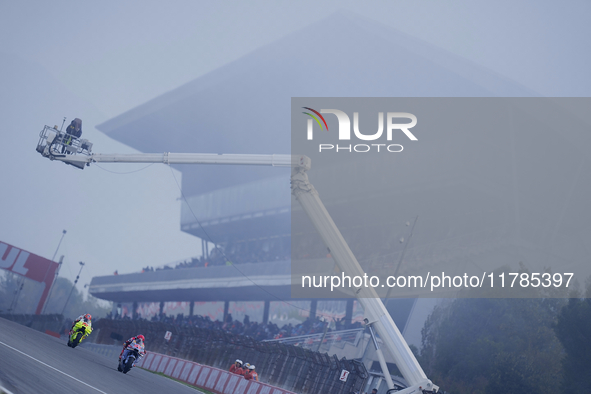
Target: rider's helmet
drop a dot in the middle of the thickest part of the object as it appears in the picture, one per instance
(141, 338)
(239, 362)
(87, 317)
(251, 367)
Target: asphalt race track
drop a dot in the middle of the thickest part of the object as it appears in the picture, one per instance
(32, 362)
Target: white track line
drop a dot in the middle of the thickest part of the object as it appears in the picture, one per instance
(49, 366)
(4, 391)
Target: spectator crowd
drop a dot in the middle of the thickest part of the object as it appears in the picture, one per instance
(234, 254)
(255, 330)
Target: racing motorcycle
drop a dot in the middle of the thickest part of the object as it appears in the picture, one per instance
(135, 351)
(80, 331)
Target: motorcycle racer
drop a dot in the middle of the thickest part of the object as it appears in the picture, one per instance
(82, 325)
(139, 339)
(82, 318)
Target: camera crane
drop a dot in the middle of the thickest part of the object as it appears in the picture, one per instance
(78, 152)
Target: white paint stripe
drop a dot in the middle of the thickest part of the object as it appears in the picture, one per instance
(55, 369)
(3, 390)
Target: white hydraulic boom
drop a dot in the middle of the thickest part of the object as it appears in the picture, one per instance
(51, 145)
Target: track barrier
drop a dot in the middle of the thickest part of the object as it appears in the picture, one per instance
(210, 378)
(202, 357)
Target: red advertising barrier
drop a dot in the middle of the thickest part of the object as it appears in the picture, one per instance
(203, 375)
(143, 360)
(195, 372)
(215, 380)
(30, 266)
(232, 383)
(170, 367)
(177, 370)
(187, 371)
(52, 333)
(163, 364)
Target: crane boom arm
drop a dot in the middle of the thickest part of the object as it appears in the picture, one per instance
(57, 145)
(185, 158)
(373, 307)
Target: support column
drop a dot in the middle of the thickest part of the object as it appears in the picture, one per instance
(161, 307)
(380, 356)
(368, 384)
(349, 312)
(134, 310)
(266, 312)
(191, 308)
(313, 308)
(226, 309)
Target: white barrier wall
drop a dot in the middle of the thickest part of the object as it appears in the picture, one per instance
(212, 379)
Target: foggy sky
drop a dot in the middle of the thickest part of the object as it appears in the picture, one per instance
(96, 61)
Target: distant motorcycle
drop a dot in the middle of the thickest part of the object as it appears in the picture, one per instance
(135, 351)
(80, 331)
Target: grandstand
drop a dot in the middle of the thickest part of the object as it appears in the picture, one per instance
(245, 107)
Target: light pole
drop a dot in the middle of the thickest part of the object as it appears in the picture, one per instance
(73, 287)
(324, 334)
(58, 245)
(19, 288)
(56, 272)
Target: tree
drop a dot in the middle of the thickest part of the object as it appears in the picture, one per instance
(481, 345)
(8, 289)
(77, 305)
(574, 332)
(18, 294)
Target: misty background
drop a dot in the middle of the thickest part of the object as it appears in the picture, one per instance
(95, 62)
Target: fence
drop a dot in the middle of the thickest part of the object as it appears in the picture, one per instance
(323, 342)
(216, 380)
(43, 323)
(290, 367)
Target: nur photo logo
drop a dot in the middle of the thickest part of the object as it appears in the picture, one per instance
(394, 123)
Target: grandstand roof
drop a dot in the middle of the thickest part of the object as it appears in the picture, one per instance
(244, 106)
(245, 282)
(223, 283)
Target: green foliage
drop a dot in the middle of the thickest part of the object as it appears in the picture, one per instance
(17, 294)
(8, 288)
(480, 345)
(21, 296)
(77, 305)
(574, 332)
